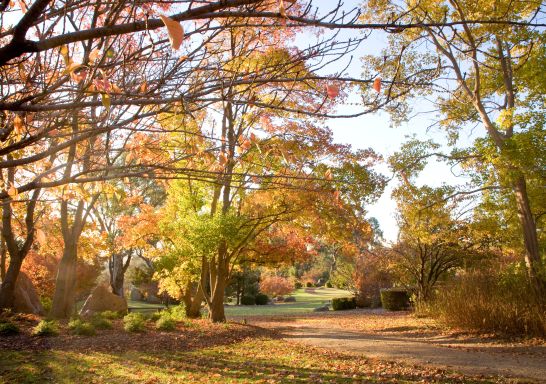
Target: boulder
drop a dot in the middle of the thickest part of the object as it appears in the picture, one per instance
(101, 299)
(26, 300)
(135, 294)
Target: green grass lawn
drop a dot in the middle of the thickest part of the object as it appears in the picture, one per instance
(260, 360)
(306, 301)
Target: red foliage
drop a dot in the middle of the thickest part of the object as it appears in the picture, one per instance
(276, 286)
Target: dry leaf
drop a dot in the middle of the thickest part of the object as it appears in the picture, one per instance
(332, 91)
(175, 30)
(377, 85)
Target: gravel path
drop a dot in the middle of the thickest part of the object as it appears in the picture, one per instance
(379, 335)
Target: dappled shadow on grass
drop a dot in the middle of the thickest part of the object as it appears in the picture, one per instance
(200, 334)
(251, 360)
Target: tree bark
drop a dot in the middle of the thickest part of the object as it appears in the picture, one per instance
(8, 283)
(65, 284)
(533, 260)
(117, 270)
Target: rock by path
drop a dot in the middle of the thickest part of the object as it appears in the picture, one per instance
(414, 345)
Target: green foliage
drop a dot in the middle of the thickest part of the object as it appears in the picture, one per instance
(329, 284)
(309, 284)
(394, 299)
(82, 328)
(248, 300)
(7, 328)
(134, 322)
(166, 322)
(112, 315)
(298, 285)
(100, 322)
(46, 303)
(46, 328)
(343, 303)
(261, 299)
(178, 312)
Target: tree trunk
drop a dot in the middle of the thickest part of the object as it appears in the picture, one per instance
(117, 274)
(65, 284)
(3, 254)
(533, 260)
(216, 305)
(193, 297)
(8, 284)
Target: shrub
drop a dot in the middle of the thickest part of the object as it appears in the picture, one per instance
(178, 312)
(394, 299)
(329, 285)
(290, 299)
(343, 303)
(166, 322)
(261, 299)
(491, 301)
(248, 300)
(309, 284)
(100, 322)
(134, 322)
(46, 328)
(7, 328)
(298, 285)
(82, 328)
(111, 315)
(276, 286)
(46, 303)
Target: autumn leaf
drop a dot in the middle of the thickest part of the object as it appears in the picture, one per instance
(377, 85)
(18, 125)
(12, 191)
(332, 91)
(106, 102)
(328, 175)
(143, 87)
(175, 31)
(282, 9)
(94, 55)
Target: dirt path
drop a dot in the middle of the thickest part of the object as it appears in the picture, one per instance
(401, 337)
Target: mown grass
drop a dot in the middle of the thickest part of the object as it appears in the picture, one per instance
(306, 301)
(259, 360)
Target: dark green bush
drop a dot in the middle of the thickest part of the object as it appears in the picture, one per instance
(329, 285)
(7, 328)
(261, 299)
(309, 284)
(46, 328)
(343, 303)
(134, 322)
(111, 315)
(298, 285)
(100, 322)
(166, 322)
(248, 300)
(82, 328)
(394, 299)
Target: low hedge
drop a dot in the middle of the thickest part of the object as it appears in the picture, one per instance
(394, 299)
(261, 299)
(248, 300)
(343, 303)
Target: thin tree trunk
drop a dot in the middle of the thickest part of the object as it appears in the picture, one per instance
(3, 257)
(117, 274)
(530, 238)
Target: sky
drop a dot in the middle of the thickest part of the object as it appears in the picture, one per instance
(375, 130)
